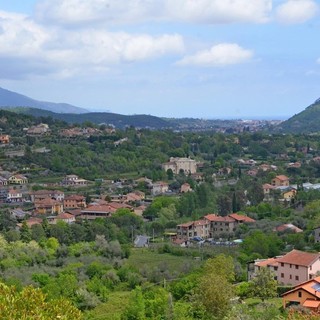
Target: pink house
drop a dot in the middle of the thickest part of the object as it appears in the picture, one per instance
(297, 266)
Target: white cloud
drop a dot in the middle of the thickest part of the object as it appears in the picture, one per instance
(220, 11)
(31, 47)
(296, 11)
(219, 55)
(110, 12)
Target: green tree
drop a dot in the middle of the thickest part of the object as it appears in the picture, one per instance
(31, 303)
(263, 284)
(136, 307)
(215, 289)
(25, 232)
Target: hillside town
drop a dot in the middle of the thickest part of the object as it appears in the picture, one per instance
(244, 196)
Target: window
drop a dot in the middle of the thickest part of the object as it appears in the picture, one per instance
(310, 267)
(290, 276)
(282, 275)
(297, 277)
(282, 264)
(299, 294)
(290, 266)
(297, 267)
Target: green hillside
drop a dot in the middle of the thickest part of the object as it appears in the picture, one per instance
(307, 121)
(117, 120)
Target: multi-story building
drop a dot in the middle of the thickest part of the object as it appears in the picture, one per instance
(74, 202)
(291, 269)
(187, 165)
(211, 226)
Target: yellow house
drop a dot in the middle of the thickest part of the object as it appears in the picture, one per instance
(306, 294)
(290, 194)
(18, 179)
(48, 206)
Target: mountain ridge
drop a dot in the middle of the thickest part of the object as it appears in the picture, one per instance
(10, 99)
(306, 121)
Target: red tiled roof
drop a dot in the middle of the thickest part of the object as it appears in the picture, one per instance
(300, 258)
(200, 222)
(187, 224)
(47, 202)
(282, 177)
(268, 262)
(98, 208)
(65, 216)
(239, 217)
(311, 303)
(75, 197)
(288, 226)
(214, 218)
(307, 286)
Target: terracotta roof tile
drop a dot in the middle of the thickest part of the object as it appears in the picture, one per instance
(300, 258)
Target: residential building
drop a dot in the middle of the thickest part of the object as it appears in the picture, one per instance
(44, 194)
(280, 181)
(288, 195)
(159, 188)
(18, 179)
(14, 196)
(305, 294)
(254, 266)
(298, 266)
(135, 196)
(185, 188)
(18, 213)
(288, 227)
(73, 180)
(187, 165)
(74, 202)
(212, 226)
(96, 211)
(220, 225)
(48, 206)
(65, 217)
(39, 130)
(3, 181)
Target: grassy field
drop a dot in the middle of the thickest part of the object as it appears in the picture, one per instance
(110, 310)
(142, 257)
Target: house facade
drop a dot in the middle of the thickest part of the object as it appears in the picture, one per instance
(211, 226)
(48, 206)
(14, 196)
(187, 165)
(74, 202)
(280, 181)
(73, 180)
(43, 194)
(159, 188)
(305, 294)
(297, 266)
(18, 179)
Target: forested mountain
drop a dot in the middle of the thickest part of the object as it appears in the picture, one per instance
(307, 121)
(10, 99)
(118, 120)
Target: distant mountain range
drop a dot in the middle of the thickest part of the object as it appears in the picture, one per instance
(307, 121)
(10, 99)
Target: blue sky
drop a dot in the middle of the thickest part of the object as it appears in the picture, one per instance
(171, 58)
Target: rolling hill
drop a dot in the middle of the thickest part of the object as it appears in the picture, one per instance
(10, 99)
(118, 120)
(307, 121)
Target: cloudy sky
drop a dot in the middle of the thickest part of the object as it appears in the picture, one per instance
(173, 58)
